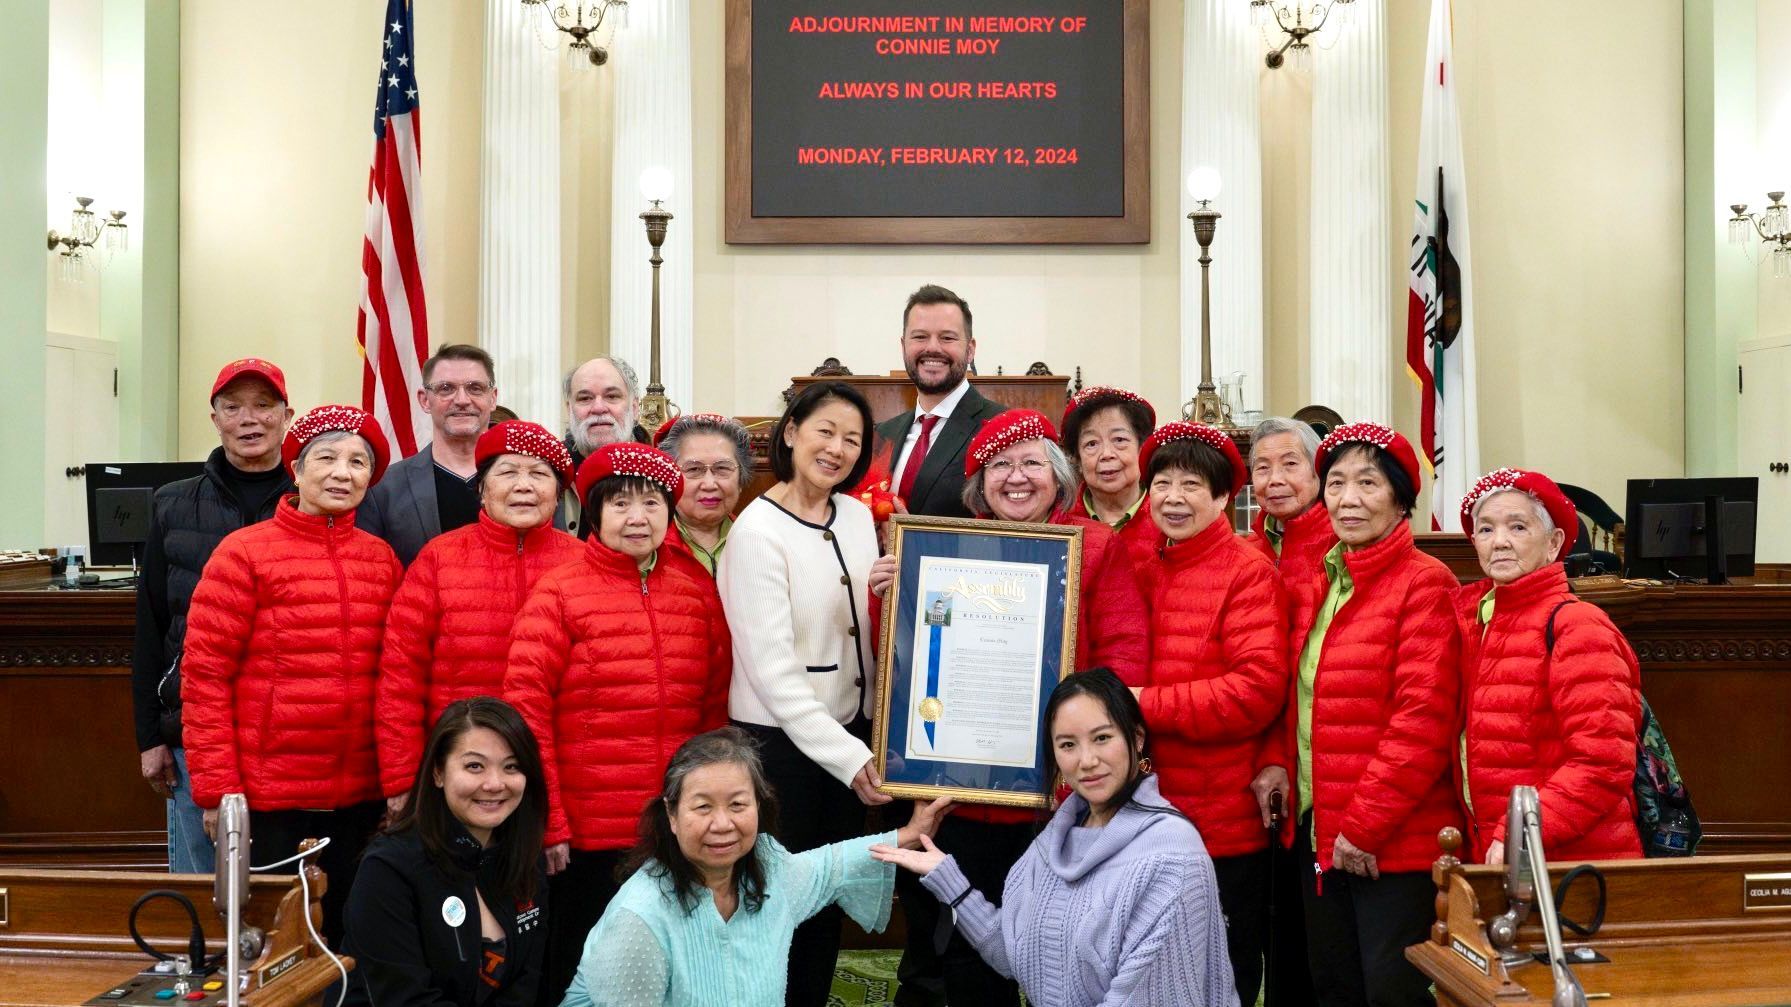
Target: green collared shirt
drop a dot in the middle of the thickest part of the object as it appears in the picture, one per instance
(1484, 614)
(652, 561)
(1274, 531)
(1337, 572)
(1486, 608)
(1131, 512)
(704, 556)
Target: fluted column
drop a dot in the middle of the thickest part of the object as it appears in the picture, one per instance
(1221, 60)
(651, 61)
(519, 213)
(1353, 340)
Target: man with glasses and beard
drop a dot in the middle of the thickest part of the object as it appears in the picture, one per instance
(432, 491)
(926, 448)
(603, 395)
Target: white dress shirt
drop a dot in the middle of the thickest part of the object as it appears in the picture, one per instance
(943, 410)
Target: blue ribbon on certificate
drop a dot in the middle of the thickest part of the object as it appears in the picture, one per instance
(932, 676)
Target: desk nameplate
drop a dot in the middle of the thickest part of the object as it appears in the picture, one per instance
(1766, 893)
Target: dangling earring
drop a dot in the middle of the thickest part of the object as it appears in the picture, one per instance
(1144, 766)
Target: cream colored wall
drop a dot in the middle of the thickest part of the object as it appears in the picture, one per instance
(276, 138)
(764, 314)
(1574, 156)
(1575, 176)
(1772, 102)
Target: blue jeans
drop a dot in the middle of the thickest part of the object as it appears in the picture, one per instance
(189, 852)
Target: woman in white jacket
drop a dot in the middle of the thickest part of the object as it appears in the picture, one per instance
(794, 582)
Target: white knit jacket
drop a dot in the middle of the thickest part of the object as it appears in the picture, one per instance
(798, 606)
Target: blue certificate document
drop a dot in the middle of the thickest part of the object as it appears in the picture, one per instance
(977, 630)
(981, 627)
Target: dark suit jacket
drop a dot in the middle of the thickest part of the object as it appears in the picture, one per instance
(401, 507)
(939, 486)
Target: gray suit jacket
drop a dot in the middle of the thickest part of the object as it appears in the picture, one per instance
(401, 507)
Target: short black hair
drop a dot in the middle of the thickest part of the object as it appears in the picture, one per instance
(616, 485)
(933, 293)
(460, 351)
(783, 463)
(1197, 457)
(1404, 493)
(1138, 416)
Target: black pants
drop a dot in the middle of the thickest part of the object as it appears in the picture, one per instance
(1357, 932)
(814, 809)
(275, 835)
(1244, 898)
(576, 899)
(1287, 979)
(985, 852)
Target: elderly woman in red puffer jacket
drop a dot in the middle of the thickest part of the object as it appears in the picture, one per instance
(1372, 726)
(1218, 671)
(449, 633)
(616, 659)
(1551, 688)
(281, 657)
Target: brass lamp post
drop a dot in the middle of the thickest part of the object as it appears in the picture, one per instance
(656, 186)
(1206, 406)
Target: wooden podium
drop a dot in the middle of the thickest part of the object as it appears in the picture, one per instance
(65, 938)
(1697, 932)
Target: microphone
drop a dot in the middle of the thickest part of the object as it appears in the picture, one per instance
(1520, 883)
(1526, 863)
(230, 892)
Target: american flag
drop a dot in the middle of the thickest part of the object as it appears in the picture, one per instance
(394, 321)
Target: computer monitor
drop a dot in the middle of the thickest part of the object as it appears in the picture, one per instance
(119, 495)
(1668, 526)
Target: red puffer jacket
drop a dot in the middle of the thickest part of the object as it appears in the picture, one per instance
(1564, 722)
(1111, 632)
(449, 632)
(1386, 705)
(1304, 541)
(1218, 681)
(281, 658)
(613, 671)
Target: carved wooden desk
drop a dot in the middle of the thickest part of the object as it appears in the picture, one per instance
(64, 935)
(1678, 933)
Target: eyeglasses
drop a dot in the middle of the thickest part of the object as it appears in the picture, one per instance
(722, 471)
(1031, 467)
(449, 389)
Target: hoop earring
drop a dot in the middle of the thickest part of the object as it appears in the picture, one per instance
(1144, 766)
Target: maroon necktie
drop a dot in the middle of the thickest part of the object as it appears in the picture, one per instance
(916, 457)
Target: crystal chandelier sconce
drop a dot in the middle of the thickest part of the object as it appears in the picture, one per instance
(1296, 20)
(583, 20)
(1773, 225)
(84, 232)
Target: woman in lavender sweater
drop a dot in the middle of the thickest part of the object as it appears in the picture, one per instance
(1115, 902)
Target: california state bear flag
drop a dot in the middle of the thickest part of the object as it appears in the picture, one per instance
(1439, 329)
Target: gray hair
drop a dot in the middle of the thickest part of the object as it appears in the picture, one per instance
(725, 427)
(629, 378)
(978, 502)
(1542, 516)
(1275, 425)
(719, 747)
(330, 437)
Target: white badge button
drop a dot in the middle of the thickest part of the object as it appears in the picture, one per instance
(453, 911)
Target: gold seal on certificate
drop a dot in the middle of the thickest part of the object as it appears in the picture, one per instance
(931, 709)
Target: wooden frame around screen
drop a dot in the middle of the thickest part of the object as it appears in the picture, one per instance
(744, 228)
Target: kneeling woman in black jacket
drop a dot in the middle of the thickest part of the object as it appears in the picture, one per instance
(449, 904)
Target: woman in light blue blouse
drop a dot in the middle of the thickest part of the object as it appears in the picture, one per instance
(708, 915)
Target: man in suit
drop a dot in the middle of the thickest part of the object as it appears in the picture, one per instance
(926, 448)
(432, 491)
(927, 443)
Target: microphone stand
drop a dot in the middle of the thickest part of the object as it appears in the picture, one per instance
(1568, 991)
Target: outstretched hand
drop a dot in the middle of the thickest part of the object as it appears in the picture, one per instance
(921, 861)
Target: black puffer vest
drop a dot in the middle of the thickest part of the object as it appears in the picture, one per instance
(194, 515)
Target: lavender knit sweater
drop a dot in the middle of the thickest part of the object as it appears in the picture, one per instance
(1125, 914)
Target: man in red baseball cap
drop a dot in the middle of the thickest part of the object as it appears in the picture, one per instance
(241, 484)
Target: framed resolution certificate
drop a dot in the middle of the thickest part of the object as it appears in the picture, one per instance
(977, 630)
